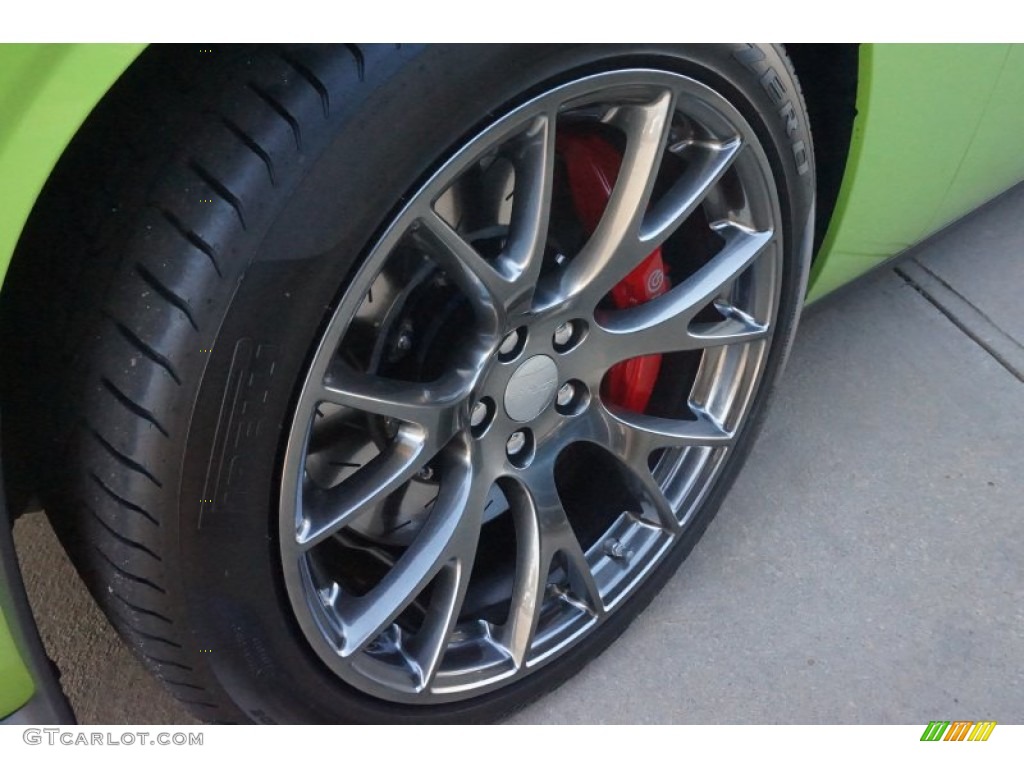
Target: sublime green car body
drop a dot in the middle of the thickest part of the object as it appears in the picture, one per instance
(926, 146)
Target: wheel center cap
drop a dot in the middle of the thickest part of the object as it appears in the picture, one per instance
(531, 388)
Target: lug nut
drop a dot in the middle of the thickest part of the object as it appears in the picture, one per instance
(427, 473)
(516, 443)
(479, 414)
(563, 334)
(566, 393)
(509, 343)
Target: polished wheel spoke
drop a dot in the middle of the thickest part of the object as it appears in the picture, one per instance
(437, 408)
(638, 434)
(707, 162)
(426, 648)
(327, 511)
(632, 437)
(644, 484)
(507, 281)
(615, 247)
(447, 540)
(490, 288)
(666, 323)
(423, 417)
(543, 533)
(534, 160)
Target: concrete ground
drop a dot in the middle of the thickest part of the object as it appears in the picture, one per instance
(866, 567)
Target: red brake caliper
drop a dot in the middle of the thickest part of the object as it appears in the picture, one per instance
(592, 164)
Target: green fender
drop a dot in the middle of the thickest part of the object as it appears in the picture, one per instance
(935, 136)
(46, 92)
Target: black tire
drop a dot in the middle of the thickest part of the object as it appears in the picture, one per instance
(220, 204)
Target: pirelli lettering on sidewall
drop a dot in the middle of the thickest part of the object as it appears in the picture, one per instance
(751, 57)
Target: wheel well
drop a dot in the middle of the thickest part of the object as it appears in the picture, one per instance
(827, 73)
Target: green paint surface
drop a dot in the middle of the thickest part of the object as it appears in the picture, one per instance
(936, 134)
(16, 686)
(994, 161)
(46, 92)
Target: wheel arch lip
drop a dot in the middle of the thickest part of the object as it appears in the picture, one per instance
(46, 92)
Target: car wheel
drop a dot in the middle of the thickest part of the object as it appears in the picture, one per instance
(414, 373)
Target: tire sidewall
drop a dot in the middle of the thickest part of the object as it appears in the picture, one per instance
(375, 156)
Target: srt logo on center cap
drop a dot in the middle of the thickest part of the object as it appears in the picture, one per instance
(531, 388)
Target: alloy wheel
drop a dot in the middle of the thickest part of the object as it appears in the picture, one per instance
(466, 492)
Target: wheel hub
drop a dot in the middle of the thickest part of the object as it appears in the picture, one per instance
(531, 388)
